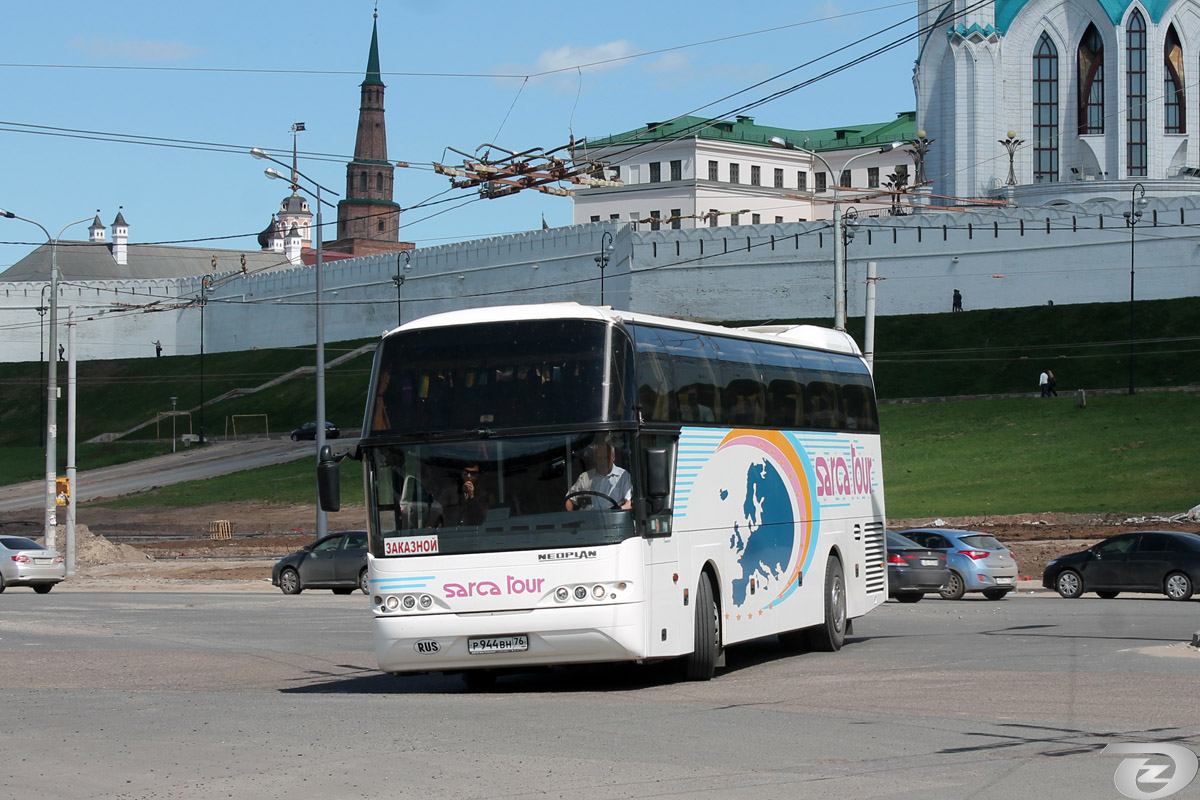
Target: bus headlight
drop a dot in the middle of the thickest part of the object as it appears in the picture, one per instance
(580, 593)
(391, 603)
(562, 594)
(410, 602)
(426, 601)
(598, 592)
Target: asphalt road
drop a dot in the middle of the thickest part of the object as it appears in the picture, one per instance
(189, 464)
(258, 695)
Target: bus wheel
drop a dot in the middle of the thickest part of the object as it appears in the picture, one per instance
(830, 635)
(702, 662)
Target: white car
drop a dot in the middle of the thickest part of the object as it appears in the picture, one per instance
(24, 562)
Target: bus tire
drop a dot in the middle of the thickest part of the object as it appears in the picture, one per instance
(701, 663)
(829, 636)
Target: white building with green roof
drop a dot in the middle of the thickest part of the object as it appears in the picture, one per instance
(696, 172)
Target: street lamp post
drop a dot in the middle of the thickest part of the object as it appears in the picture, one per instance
(51, 523)
(1011, 144)
(42, 309)
(839, 243)
(205, 285)
(606, 246)
(1137, 201)
(322, 524)
(399, 281)
(849, 227)
(174, 400)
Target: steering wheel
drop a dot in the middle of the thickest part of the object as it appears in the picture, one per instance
(579, 492)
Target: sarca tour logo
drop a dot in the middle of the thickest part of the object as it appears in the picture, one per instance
(1142, 778)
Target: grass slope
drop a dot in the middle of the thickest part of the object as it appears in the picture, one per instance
(1120, 453)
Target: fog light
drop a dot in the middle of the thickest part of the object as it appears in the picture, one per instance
(410, 602)
(426, 601)
(598, 592)
(561, 594)
(580, 593)
(392, 603)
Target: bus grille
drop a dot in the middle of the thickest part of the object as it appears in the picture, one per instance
(875, 552)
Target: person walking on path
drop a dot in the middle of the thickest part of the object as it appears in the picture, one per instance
(956, 304)
(1044, 384)
(1051, 383)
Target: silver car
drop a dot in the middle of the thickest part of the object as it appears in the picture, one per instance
(24, 562)
(977, 562)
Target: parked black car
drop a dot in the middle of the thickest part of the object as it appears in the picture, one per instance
(1163, 562)
(337, 561)
(914, 570)
(309, 431)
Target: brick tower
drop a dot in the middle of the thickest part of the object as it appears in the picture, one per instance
(368, 220)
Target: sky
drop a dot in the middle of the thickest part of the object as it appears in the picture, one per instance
(152, 107)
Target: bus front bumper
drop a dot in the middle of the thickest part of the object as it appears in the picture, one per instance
(435, 642)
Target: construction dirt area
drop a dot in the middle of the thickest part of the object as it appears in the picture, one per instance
(174, 546)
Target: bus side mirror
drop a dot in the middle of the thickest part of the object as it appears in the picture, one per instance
(329, 481)
(658, 474)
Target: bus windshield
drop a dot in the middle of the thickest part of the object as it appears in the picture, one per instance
(501, 375)
(503, 493)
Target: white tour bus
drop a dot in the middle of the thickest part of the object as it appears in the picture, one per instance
(555, 484)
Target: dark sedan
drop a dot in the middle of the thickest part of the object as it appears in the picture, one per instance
(913, 569)
(309, 431)
(1162, 562)
(337, 561)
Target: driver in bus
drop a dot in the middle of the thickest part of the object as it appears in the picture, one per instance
(465, 502)
(605, 478)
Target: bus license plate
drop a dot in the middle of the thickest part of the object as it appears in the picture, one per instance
(498, 644)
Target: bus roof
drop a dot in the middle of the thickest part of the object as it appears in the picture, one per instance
(811, 336)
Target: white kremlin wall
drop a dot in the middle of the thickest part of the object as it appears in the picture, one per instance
(997, 258)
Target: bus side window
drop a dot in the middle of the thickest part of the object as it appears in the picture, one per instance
(744, 403)
(653, 394)
(785, 404)
(856, 403)
(822, 411)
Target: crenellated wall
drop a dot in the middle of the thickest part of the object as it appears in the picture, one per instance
(997, 257)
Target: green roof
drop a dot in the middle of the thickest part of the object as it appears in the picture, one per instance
(901, 129)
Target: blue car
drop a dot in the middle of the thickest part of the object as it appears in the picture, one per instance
(977, 562)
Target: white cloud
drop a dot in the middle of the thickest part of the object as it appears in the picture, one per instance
(568, 57)
(670, 62)
(153, 52)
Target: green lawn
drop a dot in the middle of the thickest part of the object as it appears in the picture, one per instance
(293, 482)
(20, 464)
(1119, 454)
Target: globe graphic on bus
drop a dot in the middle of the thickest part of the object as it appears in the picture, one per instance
(757, 512)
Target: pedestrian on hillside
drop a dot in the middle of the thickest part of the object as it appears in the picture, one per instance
(1044, 383)
(157, 348)
(956, 304)
(1051, 383)
(62, 353)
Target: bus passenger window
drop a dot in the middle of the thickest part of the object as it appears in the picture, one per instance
(785, 404)
(690, 407)
(744, 402)
(821, 410)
